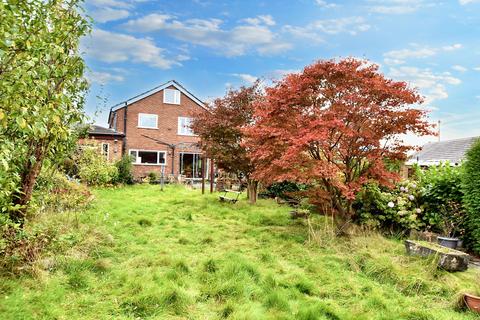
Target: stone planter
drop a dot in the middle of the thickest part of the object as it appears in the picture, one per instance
(451, 243)
(448, 259)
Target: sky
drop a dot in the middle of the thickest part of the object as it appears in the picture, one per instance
(209, 46)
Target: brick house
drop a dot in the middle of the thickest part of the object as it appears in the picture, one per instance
(154, 130)
(109, 140)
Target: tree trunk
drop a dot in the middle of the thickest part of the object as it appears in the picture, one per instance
(29, 177)
(252, 188)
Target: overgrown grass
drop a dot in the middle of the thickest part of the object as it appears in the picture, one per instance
(140, 253)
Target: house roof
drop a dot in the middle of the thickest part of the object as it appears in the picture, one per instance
(145, 94)
(434, 153)
(98, 130)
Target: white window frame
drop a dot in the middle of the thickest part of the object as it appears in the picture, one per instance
(147, 114)
(176, 96)
(180, 128)
(108, 150)
(137, 158)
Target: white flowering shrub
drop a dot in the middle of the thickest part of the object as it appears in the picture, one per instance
(397, 210)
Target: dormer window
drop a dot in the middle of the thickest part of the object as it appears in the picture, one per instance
(171, 96)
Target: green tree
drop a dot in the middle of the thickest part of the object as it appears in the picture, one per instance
(42, 89)
(471, 189)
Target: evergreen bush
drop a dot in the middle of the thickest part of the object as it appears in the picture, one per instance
(471, 199)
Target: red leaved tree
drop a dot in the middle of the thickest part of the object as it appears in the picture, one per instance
(220, 130)
(333, 126)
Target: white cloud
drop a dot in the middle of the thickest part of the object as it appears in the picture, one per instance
(109, 14)
(110, 10)
(116, 47)
(262, 19)
(397, 6)
(396, 57)
(432, 85)
(464, 2)
(453, 47)
(248, 78)
(103, 77)
(476, 68)
(459, 68)
(325, 4)
(253, 35)
(316, 29)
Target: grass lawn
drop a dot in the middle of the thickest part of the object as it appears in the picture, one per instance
(139, 253)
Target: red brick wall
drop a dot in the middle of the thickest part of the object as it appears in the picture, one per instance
(115, 145)
(167, 129)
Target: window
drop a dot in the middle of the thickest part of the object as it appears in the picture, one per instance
(171, 96)
(184, 124)
(105, 149)
(148, 157)
(148, 121)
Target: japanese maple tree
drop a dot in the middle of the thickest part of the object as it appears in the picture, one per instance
(220, 129)
(333, 126)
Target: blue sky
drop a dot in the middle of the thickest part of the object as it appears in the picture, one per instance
(210, 45)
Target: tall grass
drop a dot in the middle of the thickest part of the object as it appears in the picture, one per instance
(140, 253)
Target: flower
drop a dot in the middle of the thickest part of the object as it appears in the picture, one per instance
(402, 189)
(391, 204)
(414, 186)
(406, 189)
(411, 197)
(418, 210)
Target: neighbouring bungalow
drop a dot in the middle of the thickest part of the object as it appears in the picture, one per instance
(435, 153)
(154, 128)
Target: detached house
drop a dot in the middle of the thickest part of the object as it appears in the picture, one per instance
(154, 128)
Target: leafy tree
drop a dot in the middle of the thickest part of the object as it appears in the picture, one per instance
(471, 189)
(220, 130)
(41, 92)
(332, 126)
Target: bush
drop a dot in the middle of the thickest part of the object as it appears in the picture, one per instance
(285, 190)
(55, 192)
(124, 168)
(397, 210)
(471, 189)
(441, 196)
(93, 168)
(152, 177)
(431, 202)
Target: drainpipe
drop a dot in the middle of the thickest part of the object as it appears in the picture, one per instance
(124, 145)
(173, 158)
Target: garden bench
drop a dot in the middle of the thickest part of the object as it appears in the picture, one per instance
(229, 196)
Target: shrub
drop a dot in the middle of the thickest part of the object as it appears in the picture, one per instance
(396, 210)
(152, 177)
(93, 168)
(124, 168)
(286, 190)
(441, 196)
(56, 192)
(19, 249)
(471, 189)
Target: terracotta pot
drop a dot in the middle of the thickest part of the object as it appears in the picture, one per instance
(472, 302)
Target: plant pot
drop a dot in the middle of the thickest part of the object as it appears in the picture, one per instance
(451, 243)
(472, 302)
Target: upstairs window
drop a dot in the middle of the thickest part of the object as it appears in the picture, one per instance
(148, 121)
(171, 96)
(184, 124)
(148, 157)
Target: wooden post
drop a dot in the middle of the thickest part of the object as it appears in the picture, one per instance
(212, 176)
(203, 174)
